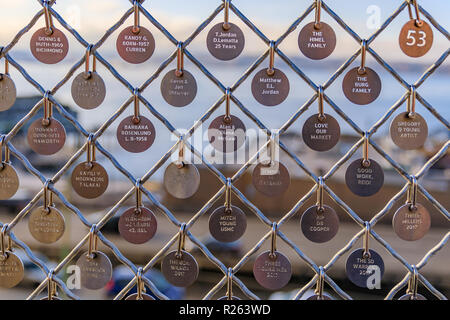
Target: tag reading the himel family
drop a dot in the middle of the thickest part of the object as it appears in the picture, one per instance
(227, 136)
(317, 43)
(407, 132)
(415, 41)
(180, 270)
(7, 92)
(136, 137)
(361, 88)
(364, 181)
(49, 49)
(225, 44)
(135, 47)
(89, 179)
(271, 179)
(181, 182)
(178, 91)
(227, 225)
(321, 134)
(137, 225)
(46, 139)
(88, 90)
(272, 272)
(270, 90)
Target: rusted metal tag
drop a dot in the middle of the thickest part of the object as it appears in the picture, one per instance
(415, 41)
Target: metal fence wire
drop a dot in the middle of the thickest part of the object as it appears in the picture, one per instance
(51, 274)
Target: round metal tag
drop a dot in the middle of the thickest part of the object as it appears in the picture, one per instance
(11, 270)
(178, 91)
(136, 137)
(361, 88)
(270, 272)
(319, 226)
(410, 223)
(88, 90)
(271, 180)
(183, 182)
(409, 133)
(46, 226)
(415, 41)
(227, 136)
(227, 226)
(225, 44)
(46, 140)
(9, 181)
(270, 90)
(95, 272)
(135, 47)
(49, 49)
(89, 180)
(317, 43)
(181, 271)
(317, 297)
(321, 134)
(364, 181)
(8, 92)
(410, 296)
(364, 271)
(137, 225)
(135, 296)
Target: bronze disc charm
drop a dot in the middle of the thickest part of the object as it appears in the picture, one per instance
(46, 225)
(89, 179)
(49, 49)
(411, 222)
(136, 137)
(409, 133)
(88, 90)
(364, 181)
(137, 225)
(135, 296)
(135, 47)
(321, 134)
(357, 267)
(178, 91)
(95, 272)
(272, 272)
(226, 135)
(319, 226)
(9, 181)
(11, 270)
(317, 43)
(270, 90)
(225, 44)
(227, 225)
(410, 296)
(361, 88)
(46, 140)
(415, 41)
(180, 269)
(8, 92)
(271, 179)
(317, 297)
(182, 182)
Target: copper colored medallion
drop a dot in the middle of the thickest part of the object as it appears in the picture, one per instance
(359, 269)
(89, 179)
(180, 270)
(364, 181)
(410, 296)
(225, 44)
(416, 41)
(409, 133)
(321, 134)
(137, 225)
(178, 91)
(317, 297)
(272, 272)
(227, 135)
(361, 88)
(136, 135)
(46, 139)
(11, 270)
(271, 180)
(7, 92)
(9, 181)
(135, 47)
(46, 225)
(95, 272)
(270, 90)
(411, 223)
(49, 49)
(227, 225)
(135, 296)
(317, 43)
(319, 225)
(88, 90)
(182, 182)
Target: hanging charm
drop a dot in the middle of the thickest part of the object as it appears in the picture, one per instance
(88, 88)
(227, 133)
(52, 293)
(317, 39)
(321, 131)
(362, 85)
(227, 223)
(229, 295)
(364, 177)
(140, 288)
(9, 180)
(11, 267)
(178, 87)
(8, 91)
(136, 133)
(135, 44)
(270, 87)
(416, 36)
(49, 45)
(413, 283)
(318, 293)
(179, 267)
(89, 178)
(46, 136)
